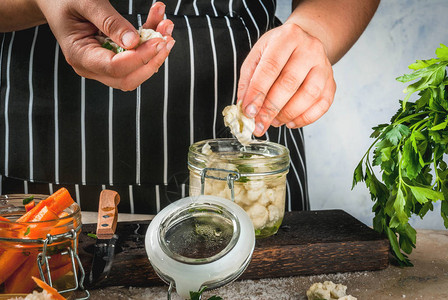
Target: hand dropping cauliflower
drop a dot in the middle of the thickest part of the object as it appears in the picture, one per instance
(145, 35)
(328, 291)
(241, 126)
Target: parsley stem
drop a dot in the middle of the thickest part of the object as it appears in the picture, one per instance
(410, 117)
(415, 127)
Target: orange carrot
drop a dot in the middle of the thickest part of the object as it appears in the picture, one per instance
(59, 227)
(33, 212)
(10, 261)
(58, 260)
(61, 271)
(53, 292)
(4, 219)
(30, 205)
(63, 214)
(57, 202)
(20, 281)
(40, 230)
(60, 200)
(45, 214)
(4, 225)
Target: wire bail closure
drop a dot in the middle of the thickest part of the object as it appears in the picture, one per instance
(231, 177)
(42, 260)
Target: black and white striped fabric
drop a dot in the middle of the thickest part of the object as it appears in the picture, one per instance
(59, 129)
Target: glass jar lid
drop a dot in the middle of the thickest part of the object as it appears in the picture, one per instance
(207, 236)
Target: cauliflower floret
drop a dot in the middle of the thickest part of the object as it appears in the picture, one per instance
(253, 195)
(279, 196)
(254, 189)
(241, 126)
(259, 215)
(348, 297)
(274, 213)
(338, 290)
(239, 190)
(318, 291)
(206, 149)
(147, 34)
(328, 291)
(214, 187)
(225, 193)
(267, 197)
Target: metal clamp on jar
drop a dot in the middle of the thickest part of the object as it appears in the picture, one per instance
(51, 252)
(252, 176)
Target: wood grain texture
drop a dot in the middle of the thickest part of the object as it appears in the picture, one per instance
(308, 242)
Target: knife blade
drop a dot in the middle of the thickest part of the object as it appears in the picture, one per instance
(104, 249)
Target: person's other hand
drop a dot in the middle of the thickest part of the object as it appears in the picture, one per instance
(286, 79)
(75, 24)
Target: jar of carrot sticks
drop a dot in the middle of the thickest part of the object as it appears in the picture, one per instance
(39, 237)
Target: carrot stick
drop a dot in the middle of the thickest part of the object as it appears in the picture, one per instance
(57, 202)
(30, 205)
(40, 230)
(59, 227)
(21, 281)
(4, 219)
(10, 261)
(60, 200)
(53, 292)
(63, 214)
(33, 212)
(61, 271)
(58, 260)
(4, 225)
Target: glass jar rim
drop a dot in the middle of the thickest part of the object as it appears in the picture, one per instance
(270, 154)
(75, 209)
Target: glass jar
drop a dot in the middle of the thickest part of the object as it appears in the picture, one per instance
(46, 249)
(199, 242)
(253, 176)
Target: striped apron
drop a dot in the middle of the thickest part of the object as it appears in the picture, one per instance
(59, 129)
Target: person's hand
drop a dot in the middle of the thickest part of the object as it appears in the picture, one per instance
(75, 24)
(286, 79)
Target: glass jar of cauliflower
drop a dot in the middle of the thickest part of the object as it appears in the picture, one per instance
(253, 176)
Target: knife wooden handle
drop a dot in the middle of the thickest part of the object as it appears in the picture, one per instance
(107, 214)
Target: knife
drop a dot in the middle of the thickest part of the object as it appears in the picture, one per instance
(104, 249)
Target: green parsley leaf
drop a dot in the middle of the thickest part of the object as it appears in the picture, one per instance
(108, 46)
(28, 200)
(92, 235)
(27, 231)
(410, 153)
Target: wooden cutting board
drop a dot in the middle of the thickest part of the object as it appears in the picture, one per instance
(308, 243)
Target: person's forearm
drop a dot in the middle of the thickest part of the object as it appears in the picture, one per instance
(19, 14)
(336, 23)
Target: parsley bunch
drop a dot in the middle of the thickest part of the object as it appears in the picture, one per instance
(410, 153)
